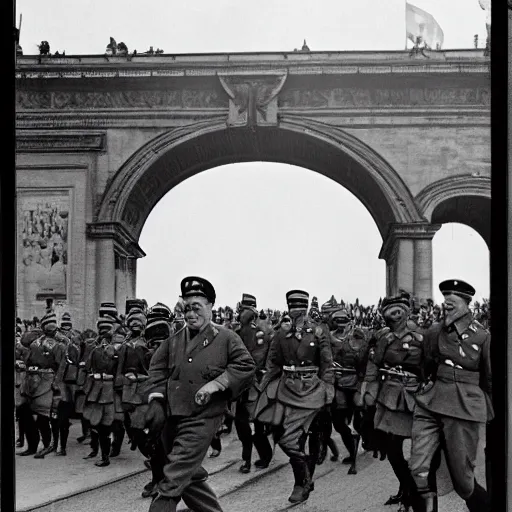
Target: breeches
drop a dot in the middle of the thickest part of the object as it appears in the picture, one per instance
(294, 429)
(459, 439)
(186, 441)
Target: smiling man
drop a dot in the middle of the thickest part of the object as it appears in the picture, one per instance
(192, 375)
(453, 406)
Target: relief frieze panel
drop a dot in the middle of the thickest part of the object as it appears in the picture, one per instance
(136, 99)
(366, 97)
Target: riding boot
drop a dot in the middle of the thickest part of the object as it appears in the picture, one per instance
(334, 449)
(85, 431)
(479, 500)
(262, 445)
(64, 433)
(105, 450)
(348, 441)
(302, 486)
(353, 469)
(31, 432)
(118, 435)
(395, 498)
(54, 422)
(95, 444)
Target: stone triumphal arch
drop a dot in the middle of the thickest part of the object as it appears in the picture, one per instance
(101, 139)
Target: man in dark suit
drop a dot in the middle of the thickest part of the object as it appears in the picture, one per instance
(192, 375)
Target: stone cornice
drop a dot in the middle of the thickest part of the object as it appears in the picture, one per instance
(332, 63)
(27, 142)
(120, 235)
(414, 231)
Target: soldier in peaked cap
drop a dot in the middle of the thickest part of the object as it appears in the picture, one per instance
(41, 385)
(350, 356)
(298, 383)
(456, 401)
(257, 340)
(393, 375)
(192, 375)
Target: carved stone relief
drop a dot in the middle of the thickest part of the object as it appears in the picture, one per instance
(357, 97)
(252, 99)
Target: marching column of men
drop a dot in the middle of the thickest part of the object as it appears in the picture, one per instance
(168, 382)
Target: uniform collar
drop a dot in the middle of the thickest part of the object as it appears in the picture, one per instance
(461, 324)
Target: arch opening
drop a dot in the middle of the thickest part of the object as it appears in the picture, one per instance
(173, 157)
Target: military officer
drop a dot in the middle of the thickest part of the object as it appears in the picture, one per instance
(40, 388)
(102, 405)
(257, 341)
(350, 356)
(456, 401)
(193, 373)
(397, 365)
(298, 383)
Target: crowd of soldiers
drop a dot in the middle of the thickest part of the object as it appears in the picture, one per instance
(173, 381)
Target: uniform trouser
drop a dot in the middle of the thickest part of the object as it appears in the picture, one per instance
(395, 452)
(100, 434)
(118, 431)
(244, 432)
(292, 436)
(340, 421)
(459, 439)
(186, 441)
(30, 429)
(43, 426)
(60, 426)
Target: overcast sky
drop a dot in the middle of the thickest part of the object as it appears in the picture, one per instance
(239, 225)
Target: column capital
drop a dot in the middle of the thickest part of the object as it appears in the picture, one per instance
(412, 231)
(124, 242)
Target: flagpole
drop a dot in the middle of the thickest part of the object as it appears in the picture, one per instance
(405, 25)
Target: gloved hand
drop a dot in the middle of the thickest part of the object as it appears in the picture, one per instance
(155, 416)
(204, 394)
(329, 393)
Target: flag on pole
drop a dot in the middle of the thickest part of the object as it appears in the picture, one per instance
(420, 24)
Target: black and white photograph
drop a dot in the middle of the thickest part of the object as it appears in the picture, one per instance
(252, 257)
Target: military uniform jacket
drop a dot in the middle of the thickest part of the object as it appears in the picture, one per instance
(349, 350)
(458, 358)
(257, 341)
(397, 353)
(306, 345)
(181, 366)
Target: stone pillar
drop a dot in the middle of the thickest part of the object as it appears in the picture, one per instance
(131, 277)
(407, 250)
(105, 271)
(121, 283)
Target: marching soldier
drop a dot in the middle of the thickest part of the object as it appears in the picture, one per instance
(132, 371)
(40, 388)
(397, 365)
(67, 383)
(89, 341)
(158, 329)
(350, 355)
(257, 341)
(297, 385)
(102, 403)
(456, 401)
(193, 374)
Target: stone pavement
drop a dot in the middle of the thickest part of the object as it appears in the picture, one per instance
(41, 482)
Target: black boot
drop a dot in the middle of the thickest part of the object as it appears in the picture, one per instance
(353, 469)
(427, 502)
(45, 451)
(95, 445)
(479, 501)
(245, 467)
(118, 435)
(302, 486)
(334, 449)
(105, 450)
(394, 499)
(64, 433)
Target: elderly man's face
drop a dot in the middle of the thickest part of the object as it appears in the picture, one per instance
(198, 312)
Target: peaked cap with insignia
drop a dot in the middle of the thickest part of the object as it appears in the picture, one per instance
(330, 306)
(133, 304)
(457, 287)
(297, 299)
(403, 300)
(65, 321)
(248, 301)
(49, 320)
(194, 286)
(108, 309)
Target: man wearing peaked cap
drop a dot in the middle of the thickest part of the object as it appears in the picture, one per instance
(192, 376)
(299, 365)
(41, 386)
(257, 342)
(456, 401)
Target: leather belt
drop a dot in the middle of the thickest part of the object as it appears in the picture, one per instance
(36, 369)
(102, 376)
(299, 372)
(341, 369)
(454, 374)
(397, 374)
